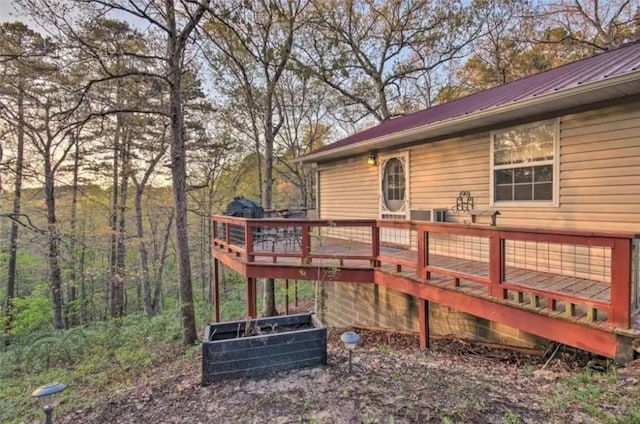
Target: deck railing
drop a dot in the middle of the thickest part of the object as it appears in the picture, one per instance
(578, 273)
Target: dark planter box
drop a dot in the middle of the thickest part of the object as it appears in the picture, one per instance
(283, 343)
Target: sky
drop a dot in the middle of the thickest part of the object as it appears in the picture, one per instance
(7, 11)
(8, 14)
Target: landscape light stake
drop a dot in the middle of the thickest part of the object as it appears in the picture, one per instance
(350, 340)
(48, 397)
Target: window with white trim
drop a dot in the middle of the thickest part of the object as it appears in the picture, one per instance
(524, 164)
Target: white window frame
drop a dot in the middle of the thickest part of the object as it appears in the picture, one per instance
(555, 162)
(382, 160)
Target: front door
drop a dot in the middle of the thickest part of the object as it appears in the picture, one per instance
(394, 196)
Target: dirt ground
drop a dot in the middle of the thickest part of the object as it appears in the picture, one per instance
(393, 382)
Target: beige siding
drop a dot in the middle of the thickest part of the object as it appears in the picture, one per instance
(599, 174)
(600, 169)
(440, 170)
(348, 189)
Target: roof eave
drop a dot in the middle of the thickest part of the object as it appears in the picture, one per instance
(594, 92)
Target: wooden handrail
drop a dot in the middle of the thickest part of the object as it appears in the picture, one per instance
(408, 224)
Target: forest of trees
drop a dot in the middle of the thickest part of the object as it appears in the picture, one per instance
(126, 124)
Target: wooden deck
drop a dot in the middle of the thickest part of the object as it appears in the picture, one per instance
(586, 303)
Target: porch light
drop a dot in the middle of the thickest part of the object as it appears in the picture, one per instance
(48, 397)
(350, 340)
(372, 159)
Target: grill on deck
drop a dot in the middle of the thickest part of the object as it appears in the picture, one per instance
(242, 207)
(265, 237)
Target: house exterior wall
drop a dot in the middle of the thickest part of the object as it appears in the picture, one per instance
(373, 306)
(348, 190)
(599, 189)
(599, 176)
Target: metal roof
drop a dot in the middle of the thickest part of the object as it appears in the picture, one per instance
(583, 78)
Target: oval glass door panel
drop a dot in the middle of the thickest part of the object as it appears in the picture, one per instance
(393, 185)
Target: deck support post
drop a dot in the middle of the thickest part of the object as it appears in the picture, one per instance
(286, 297)
(624, 350)
(423, 317)
(216, 288)
(534, 301)
(252, 301)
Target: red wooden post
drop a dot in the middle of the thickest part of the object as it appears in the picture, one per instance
(306, 244)
(248, 297)
(254, 300)
(496, 264)
(248, 242)
(216, 288)
(423, 253)
(252, 305)
(423, 315)
(286, 297)
(375, 244)
(227, 236)
(620, 283)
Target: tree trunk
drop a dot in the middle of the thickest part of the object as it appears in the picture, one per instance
(143, 256)
(17, 196)
(84, 316)
(72, 289)
(111, 287)
(55, 279)
(175, 50)
(119, 309)
(202, 248)
(157, 294)
(210, 244)
(119, 180)
(269, 292)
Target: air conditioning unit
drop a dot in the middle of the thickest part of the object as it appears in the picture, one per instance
(433, 215)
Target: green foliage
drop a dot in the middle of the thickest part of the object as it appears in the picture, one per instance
(32, 314)
(95, 357)
(510, 417)
(598, 397)
(527, 369)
